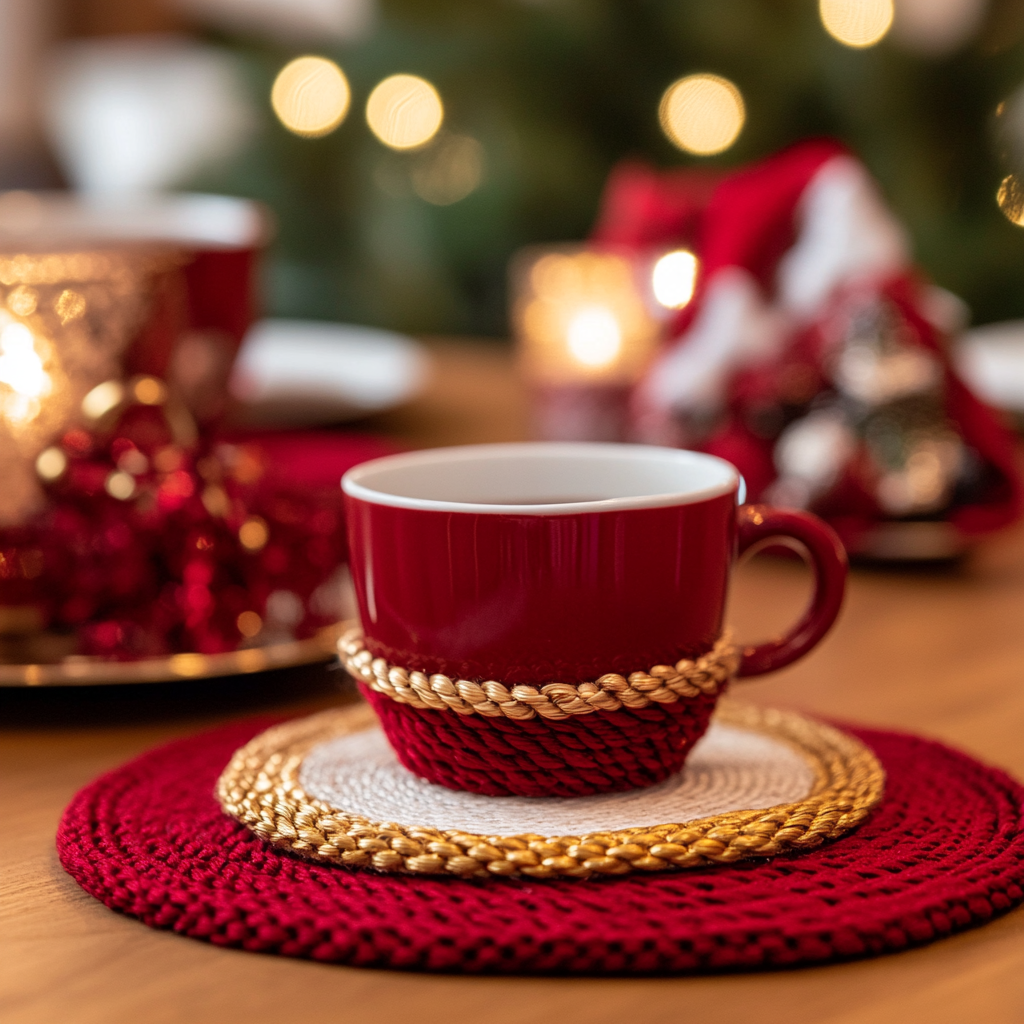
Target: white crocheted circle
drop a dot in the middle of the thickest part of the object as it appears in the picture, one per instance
(730, 769)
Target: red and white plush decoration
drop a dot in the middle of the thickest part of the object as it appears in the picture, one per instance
(813, 355)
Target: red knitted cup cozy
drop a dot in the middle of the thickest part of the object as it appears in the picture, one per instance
(603, 752)
(944, 851)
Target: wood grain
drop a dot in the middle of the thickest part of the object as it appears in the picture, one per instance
(939, 652)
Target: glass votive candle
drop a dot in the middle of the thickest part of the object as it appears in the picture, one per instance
(586, 321)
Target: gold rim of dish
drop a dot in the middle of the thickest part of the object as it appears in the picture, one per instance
(79, 671)
(260, 788)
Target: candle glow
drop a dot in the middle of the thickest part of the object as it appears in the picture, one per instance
(594, 336)
(24, 374)
(581, 315)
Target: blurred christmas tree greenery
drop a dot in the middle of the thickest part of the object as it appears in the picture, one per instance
(556, 91)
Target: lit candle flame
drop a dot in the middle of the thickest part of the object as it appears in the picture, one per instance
(594, 336)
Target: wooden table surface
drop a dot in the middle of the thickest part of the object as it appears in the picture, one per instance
(938, 651)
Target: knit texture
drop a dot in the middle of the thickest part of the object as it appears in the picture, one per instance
(605, 752)
(944, 851)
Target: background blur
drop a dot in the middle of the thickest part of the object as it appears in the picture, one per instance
(541, 98)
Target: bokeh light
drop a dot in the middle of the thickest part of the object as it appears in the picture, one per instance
(674, 277)
(51, 463)
(254, 534)
(249, 623)
(452, 168)
(310, 96)
(1010, 197)
(120, 485)
(702, 114)
(23, 300)
(856, 23)
(102, 398)
(150, 391)
(404, 111)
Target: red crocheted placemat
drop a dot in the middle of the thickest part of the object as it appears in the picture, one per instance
(943, 852)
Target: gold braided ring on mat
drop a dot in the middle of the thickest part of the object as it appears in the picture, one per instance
(663, 684)
(260, 788)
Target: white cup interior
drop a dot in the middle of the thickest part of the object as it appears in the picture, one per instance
(542, 478)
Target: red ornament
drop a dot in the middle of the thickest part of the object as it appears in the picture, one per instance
(155, 541)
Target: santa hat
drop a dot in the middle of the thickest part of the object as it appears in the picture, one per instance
(643, 207)
(783, 245)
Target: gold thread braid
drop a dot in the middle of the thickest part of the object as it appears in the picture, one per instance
(260, 788)
(663, 684)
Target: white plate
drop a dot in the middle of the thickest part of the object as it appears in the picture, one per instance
(991, 359)
(304, 372)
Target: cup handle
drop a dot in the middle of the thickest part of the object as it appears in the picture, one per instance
(816, 543)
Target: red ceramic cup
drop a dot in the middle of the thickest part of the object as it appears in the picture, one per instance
(558, 563)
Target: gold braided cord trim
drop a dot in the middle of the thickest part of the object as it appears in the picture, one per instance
(663, 684)
(260, 788)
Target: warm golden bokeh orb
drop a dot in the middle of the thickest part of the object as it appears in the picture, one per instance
(253, 534)
(674, 277)
(856, 23)
(51, 463)
(120, 485)
(404, 111)
(451, 170)
(249, 623)
(150, 391)
(22, 300)
(310, 96)
(702, 114)
(102, 398)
